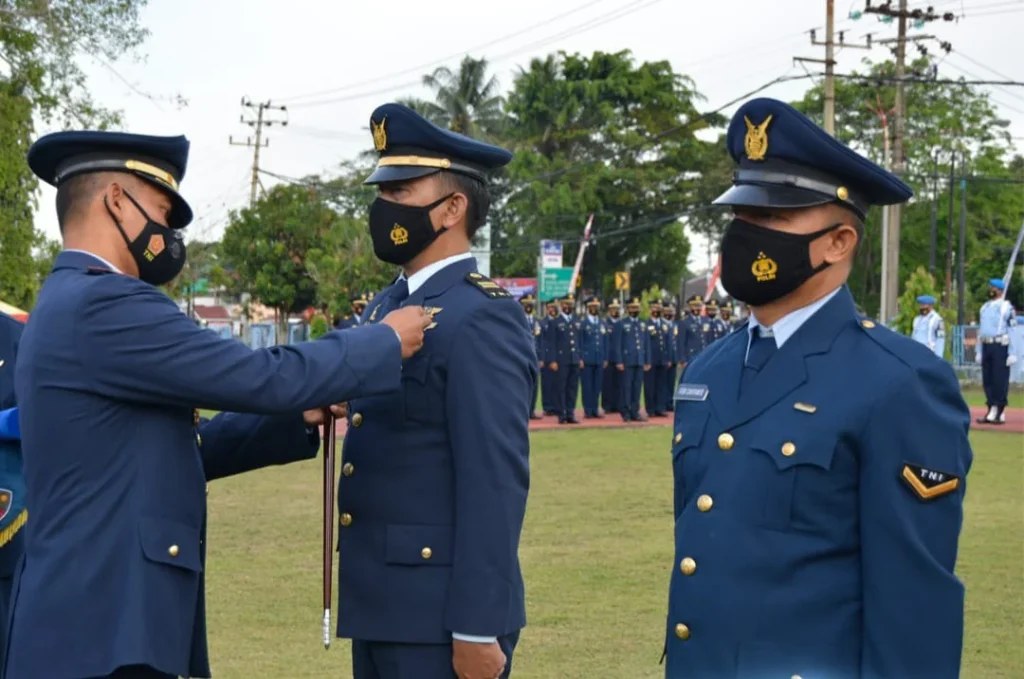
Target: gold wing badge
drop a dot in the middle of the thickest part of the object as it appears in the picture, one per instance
(756, 141)
(433, 311)
(380, 136)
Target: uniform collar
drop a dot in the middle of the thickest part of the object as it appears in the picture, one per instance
(81, 259)
(418, 279)
(785, 327)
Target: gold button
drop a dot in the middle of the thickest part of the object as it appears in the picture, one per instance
(788, 448)
(426, 553)
(725, 441)
(682, 631)
(687, 566)
(867, 324)
(346, 519)
(678, 438)
(357, 419)
(348, 469)
(704, 503)
(173, 550)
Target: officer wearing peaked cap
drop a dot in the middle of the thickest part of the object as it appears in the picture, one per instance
(112, 582)
(356, 318)
(435, 474)
(816, 534)
(629, 351)
(690, 340)
(610, 386)
(593, 341)
(562, 350)
(536, 330)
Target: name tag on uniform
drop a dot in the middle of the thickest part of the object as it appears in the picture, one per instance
(691, 392)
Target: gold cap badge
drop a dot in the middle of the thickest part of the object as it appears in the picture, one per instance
(842, 193)
(764, 268)
(399, 235)
(380, 137)
(756, 141)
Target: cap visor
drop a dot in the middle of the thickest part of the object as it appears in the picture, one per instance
(181, 212)
(398, 173)
(771, 196)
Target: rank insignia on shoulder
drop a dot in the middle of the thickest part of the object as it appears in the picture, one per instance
(487, 286)
(373, 314)
(928, 484)
(691, 392)
(805, 408)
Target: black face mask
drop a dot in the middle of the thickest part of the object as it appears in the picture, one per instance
(528, 308)
(158, 250)
(655, 314)
(634, 314)
(552, 312)
(400, 232)
(760, 265)
(924, 312)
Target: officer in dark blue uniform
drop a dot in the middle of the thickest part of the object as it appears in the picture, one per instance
(356, 318)
(110, 376)
(726, 314)
(659, 358)
(691, 331)
(549, 375)
(538, 345)
(562, 351)
(816, 533)
(434, 480)
(713, 328)
(12, 480)
(672, 344)
(630, 346)
(593, 340)
(610, 387)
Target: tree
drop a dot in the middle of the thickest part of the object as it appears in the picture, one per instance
(465, 101)
(945, 121)
(922, 283)
(601, 135)
(266, 247)
(19, 278)
(200, 264)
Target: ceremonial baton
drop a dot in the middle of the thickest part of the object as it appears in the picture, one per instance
(330, 443)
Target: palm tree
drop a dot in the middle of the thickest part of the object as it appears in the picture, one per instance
(466, 101)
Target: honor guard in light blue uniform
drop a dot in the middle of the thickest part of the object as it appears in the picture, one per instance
(562, 350)
(110, 377)
(714, 328)
(928, 328)
(610, 388)
(549, 374)
(12, 480)
(356, 318)
(672, 327)
(630, 347)
(659, 358)
(435, 474)
(533, 324)
(816, 532)
(593, 339)
(690, 341)
(996, 350)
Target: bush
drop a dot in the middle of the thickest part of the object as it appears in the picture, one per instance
(318, 327)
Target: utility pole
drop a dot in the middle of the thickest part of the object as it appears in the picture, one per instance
(258, 124)
(884, 309)
(891, 243)
(830, 62)
(933, 236)
(949, 231)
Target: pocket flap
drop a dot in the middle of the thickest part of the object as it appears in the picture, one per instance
(798, 447)
(169, 542)
(419, 545)
(688, 431)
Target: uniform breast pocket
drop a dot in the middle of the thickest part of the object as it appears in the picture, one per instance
(687, 437)
(781, 486)
(423, 390)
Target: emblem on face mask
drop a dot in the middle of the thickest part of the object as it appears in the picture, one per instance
(380, 137)
(399, 235)
(764, 268)
(155, 247)
(756, 141)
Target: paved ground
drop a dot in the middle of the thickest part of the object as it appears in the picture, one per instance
(1014, 422)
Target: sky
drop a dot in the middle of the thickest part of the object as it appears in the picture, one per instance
(332, 62)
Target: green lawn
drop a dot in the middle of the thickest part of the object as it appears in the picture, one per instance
(597, 550)
(975, 396)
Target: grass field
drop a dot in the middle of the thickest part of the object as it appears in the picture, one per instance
(596, 552)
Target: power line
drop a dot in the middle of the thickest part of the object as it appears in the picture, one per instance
(259, 142)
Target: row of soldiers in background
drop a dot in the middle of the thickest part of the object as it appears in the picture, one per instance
(613, 358)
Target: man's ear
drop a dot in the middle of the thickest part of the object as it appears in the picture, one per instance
(115, 199)
(454, 210)
(842, 243)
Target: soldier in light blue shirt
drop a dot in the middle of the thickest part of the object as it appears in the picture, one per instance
(996, 351)
(929, 328)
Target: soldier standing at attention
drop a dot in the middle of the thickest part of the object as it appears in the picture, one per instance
(658, 358)
(610, 388)
(996, 351)
(672, 328)
(594, 345)
(691, 333)
(110, 378)
(356, 319)
(726, 314)
(714, 328)
(538, 345)
(549, 376)
(816, 533)
(630, 345)
(562, 351)
(929, 329)
(433, 488)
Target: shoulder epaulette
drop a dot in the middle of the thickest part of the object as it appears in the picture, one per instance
(487, 286)
(97, 270)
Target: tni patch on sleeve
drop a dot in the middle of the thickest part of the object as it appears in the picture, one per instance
(928, 484)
